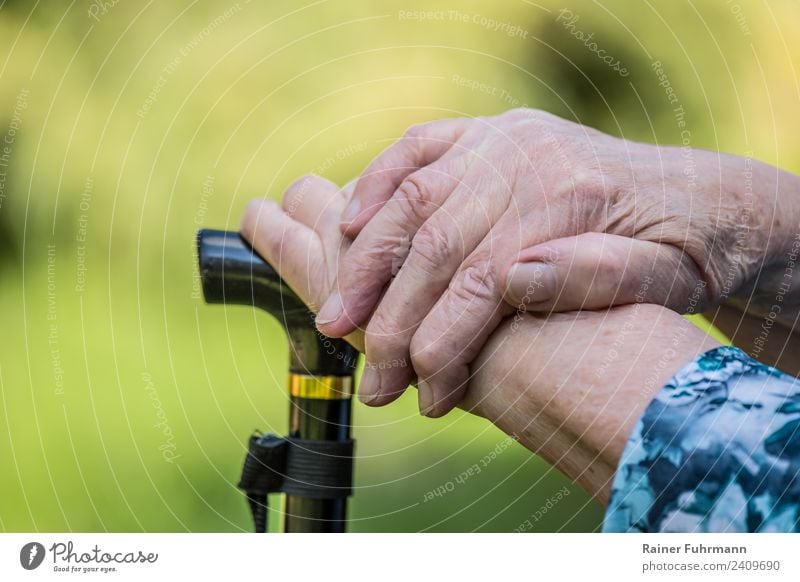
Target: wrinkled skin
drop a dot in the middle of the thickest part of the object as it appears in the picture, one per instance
(568, 386)
(462, 221)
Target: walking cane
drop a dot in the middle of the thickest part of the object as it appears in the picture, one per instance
(313, 465)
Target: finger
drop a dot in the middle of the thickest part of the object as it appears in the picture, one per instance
(292, 248)
(420, 145)
(438, 249)
(318, 203)
(311, 199)
(452, 335)
(300, 255)
(383, 245)
(595, 270)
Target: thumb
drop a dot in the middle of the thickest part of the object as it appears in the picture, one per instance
(596, 271)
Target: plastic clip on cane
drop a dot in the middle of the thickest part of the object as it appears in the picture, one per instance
(313, 464)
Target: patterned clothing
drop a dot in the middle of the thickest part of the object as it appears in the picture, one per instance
(718, 450)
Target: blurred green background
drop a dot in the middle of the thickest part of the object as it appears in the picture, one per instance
(126, 402)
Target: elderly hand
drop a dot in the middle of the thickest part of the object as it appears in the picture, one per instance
(548, 214)
(569, 386)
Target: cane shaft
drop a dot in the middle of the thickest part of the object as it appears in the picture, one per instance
(326, 416)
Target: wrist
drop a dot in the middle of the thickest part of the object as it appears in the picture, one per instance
(649, 357)
(571, 386)
(768, 237)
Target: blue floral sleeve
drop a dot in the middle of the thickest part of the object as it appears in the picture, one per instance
(718, 450)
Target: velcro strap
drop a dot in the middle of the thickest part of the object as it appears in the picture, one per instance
(305, 468)
(319, 469)
(265, 464)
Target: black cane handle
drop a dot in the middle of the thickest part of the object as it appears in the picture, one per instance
(232, 273)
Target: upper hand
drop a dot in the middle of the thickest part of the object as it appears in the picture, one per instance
(546, 213)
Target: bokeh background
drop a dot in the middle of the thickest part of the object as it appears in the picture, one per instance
(125, 402)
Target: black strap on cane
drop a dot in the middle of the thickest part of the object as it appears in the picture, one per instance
(305, 468)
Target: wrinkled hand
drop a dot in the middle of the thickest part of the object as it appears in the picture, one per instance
(301, 239)
(548, 214)
(568, 386)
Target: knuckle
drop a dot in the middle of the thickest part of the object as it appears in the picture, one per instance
(414, 195)
(563, 189)
(431, 247)
(250, 217)
(584, 177)
(522, 113)
(476, 282)
(597, 254)
(302, 183)
(296, 192)
(366, 266)
(415, 132)
(254, 228)
(592, 256)
(609, 265)
(575, 182)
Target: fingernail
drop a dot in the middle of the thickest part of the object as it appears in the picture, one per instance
(331, 310)
(531, 283)
(425, 396)
(370, 387)
(351, 211)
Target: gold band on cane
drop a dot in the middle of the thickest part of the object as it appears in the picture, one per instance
(321, 387)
